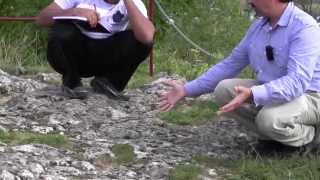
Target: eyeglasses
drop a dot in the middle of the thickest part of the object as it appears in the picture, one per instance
(269, 53)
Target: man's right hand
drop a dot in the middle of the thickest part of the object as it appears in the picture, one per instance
(91, 15)
(170, 98)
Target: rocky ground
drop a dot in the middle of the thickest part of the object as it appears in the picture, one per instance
(97, 123)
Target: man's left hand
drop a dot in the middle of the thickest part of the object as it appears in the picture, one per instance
(243, 94)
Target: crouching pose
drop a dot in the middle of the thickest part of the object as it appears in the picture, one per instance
(283, 103)
(109, 45)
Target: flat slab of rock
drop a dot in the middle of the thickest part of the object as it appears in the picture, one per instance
(97, 123)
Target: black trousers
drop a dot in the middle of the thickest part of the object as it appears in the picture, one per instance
(75, 55)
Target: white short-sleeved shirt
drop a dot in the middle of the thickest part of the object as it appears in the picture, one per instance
(113, 17)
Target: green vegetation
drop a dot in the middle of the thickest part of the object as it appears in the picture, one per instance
(295, 167)
(185, 172)
(23, 44)
(267, 168)
(193, 113)
(124, 153)
(216, 26)
(18, 138)
(141, 76)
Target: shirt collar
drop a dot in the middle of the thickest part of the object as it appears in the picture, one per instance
(285, 17)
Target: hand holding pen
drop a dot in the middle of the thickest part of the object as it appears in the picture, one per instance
(91, 15)
(94, 18)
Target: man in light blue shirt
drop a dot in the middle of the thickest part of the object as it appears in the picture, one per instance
(283, 102)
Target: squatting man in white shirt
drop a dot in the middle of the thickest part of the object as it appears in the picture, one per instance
(115, 38)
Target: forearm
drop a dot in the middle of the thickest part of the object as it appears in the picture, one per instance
(207, 82)
(45, 17)
(142, 27)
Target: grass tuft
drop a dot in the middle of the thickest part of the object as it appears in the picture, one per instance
(191, 114)
(19, 138)
(294, 167)
(124, 153)
(185, 172)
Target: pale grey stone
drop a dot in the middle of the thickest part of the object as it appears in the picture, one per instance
(66, 171)
(28, 148)
(42, 129)
(84, 165)
(6, 175)
(2, 149)
(36, 169)
(53, 177)
(131, 174)
(26, 175)
(212, 172)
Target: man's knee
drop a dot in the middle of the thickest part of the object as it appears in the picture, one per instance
(223, 92)
(63, 32)
(267, 121)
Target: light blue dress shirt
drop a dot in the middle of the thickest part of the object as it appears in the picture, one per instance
(296, 67)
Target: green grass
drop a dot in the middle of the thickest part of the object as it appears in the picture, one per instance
(124, 153)
(141, 76)
(19, 138)
(295, 167)
(193, 113)
(265, 168)
(20, 50)
(185, 172)
(22, 45)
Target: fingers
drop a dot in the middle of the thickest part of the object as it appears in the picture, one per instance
(169, 98)
(163, 98)
(235, 102)
(93, 20)
(165, 105)
(169, 83)
(92, 16)
(229, 107)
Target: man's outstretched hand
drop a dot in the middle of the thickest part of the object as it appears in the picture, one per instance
(243, 94)
(170, 98)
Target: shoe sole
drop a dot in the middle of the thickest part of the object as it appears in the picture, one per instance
(102, 88)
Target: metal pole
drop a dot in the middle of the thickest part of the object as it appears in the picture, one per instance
(151, 14)
(17, 18)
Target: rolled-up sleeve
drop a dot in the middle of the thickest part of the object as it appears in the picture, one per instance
(66, 4)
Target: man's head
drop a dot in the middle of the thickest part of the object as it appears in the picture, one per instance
(268, 7)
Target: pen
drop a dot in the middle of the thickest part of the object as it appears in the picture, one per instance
(95, 8)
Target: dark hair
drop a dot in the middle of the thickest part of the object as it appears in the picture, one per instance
(285, 1)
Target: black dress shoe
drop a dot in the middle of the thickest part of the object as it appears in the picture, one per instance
(76, 93)
(103, 86)
(312, 148)
(273, 148)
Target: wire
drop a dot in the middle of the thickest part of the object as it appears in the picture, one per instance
(171, 22)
